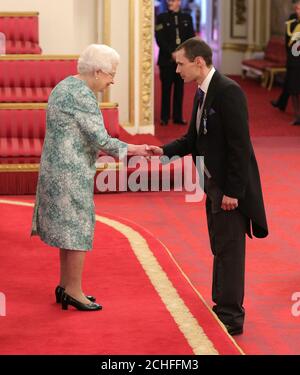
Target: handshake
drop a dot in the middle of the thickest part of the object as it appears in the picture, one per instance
(144, 150)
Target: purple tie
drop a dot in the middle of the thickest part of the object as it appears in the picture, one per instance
(200, 96)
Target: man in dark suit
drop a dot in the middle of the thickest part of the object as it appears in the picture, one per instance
(219, 132)
(171, 29)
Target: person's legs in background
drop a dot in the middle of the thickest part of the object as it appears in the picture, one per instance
(296, 106)
(178, 99)
(166, 77)
(282, 102)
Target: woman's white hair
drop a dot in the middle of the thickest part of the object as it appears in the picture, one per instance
(98, 57)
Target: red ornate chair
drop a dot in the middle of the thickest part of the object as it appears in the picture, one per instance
(271, 62)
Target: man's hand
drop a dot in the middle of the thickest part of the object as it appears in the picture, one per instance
(229, 204)
(155, 150)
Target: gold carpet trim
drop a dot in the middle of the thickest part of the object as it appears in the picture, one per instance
(4, 168)
(184, 319)
(15, 203)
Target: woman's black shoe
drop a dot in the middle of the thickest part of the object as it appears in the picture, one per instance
(68, 300)
(59, 291)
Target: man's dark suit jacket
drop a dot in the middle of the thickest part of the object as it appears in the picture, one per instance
(227, 149)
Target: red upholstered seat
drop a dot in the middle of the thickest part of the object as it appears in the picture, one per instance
(16, 160)
(111, 121)
(22, 131)
(274, 57)
(21, 32)
(22, 47)
(275, 50)
(261, 64)
(26, 80)
(24, 94)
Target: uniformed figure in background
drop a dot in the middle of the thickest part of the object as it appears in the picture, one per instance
(171, 29)
(282, 102)
(293, 61)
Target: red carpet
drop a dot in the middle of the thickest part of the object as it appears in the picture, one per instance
(135, 318)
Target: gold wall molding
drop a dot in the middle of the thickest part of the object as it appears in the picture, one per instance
(19, 14)
(131, 63)
(25, 106)
(38, 57)
(146, 61)
(239, 47)
(30, 168)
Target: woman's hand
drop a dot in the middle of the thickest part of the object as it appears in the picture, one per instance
(139, 150)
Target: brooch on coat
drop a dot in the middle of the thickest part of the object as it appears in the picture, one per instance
(205, 116)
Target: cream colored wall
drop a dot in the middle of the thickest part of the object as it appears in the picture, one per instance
(232, 51)
(115, 31)
(85, 18)
(65, 26)
(119, 39)
(229, 60)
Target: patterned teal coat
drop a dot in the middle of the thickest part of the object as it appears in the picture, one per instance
(64, 214)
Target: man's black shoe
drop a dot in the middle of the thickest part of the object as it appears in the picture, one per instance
(296, 123)
(276, 105)
(234, 330)
(163, 122)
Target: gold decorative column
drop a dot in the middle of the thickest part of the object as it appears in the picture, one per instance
(146, 62)
(131, 32)
(132, 65)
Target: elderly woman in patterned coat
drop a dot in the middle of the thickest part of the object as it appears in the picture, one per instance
(64, 210)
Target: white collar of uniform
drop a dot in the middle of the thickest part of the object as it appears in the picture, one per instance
(205, 84)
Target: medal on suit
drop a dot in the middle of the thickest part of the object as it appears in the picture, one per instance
(205, 122)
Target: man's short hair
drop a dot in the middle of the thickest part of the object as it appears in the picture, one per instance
(195, 47)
